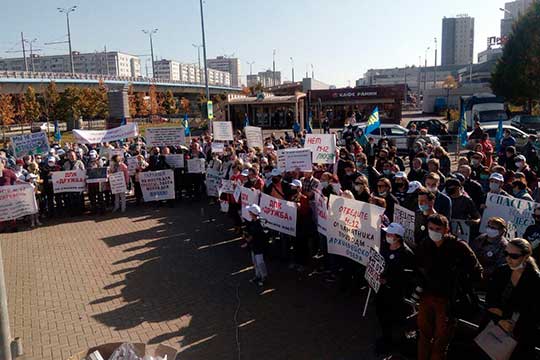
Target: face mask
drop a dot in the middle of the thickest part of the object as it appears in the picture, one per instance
(492, 232)
(520, 164)
(520, 266)
(390, 239)
(349, 173)
(360, 164)
(342, 156)
(494, 186)
(433, 189)
(358, 188)
(484, 177)
(475, 162)
(382, 194)
(324, 184)
(387, 172)
(435, 236)
(423, 208)
(336, 187)
(516, 191)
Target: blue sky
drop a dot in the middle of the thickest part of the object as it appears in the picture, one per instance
(341, 38)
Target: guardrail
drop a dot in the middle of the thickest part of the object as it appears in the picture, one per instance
(24, 75)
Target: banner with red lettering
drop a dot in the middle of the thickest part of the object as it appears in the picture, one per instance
(322, 146)
(17, 201)
(69, 181)
(353, 228)
(248, 197)
(280, 215)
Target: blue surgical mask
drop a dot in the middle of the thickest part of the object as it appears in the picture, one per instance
(423, 208)
(360, 163)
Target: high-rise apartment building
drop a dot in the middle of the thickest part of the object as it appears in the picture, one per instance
(229, 65)
(457, 40)
(512, 11)
(112, 63)
(170, 70)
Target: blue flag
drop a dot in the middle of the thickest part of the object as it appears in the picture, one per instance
(374, 122)
(463, 132)
(123, 121)
(57, 133)
(246, 120)
(499, 135)
(187, 131)
(309, 129)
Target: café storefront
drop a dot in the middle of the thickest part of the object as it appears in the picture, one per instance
(340, 104)
(267, 111)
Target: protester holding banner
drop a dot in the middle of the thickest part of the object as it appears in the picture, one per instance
(117, 165)
(34, 179)
(7, 178)
(257, 240)
(396, 284)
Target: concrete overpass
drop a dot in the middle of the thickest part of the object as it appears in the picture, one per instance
(16, 82)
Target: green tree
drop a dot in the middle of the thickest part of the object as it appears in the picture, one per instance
(31, 106)
(517, 73)
(169, 103)
(51, 98)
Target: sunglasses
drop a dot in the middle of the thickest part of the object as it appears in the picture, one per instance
(512, 255)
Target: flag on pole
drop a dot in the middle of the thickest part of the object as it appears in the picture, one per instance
(187, 131)
(374, 122)
(499, 135)
(246, 120)
(57, 133)
(309, 128)
(463, 132)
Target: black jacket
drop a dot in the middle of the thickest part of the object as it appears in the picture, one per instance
(523, 299)
(256, 236)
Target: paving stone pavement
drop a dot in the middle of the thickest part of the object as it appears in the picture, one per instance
(172, 276)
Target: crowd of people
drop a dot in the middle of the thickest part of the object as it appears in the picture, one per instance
(493, 277)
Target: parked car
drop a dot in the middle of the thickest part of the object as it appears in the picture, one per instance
(520, 136)
(432, 125)
(394, 132)
(527, 123)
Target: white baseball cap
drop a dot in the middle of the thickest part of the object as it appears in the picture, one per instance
(245, 172)
(400, 174)
(496, 176)
(254, 209)
(275, 172)
(395, 229)
(296, 183)
(413, 186)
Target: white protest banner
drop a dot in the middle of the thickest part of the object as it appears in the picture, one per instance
(227, 187)
(17, 201)
(518, 213)
(298, 159)
(118, 183)
(353, 228)
(223, 131)
(280, 215)
(281, 162)
(30, 144)
(69, 181)
(101, 136)
(460, 229)
(218, 147)
(157, 185)
(196, 166)
(323, 147)
(132, 164)
(374, 269)
(248, 197)
(405, 218)
(165, 136)
(321, 212)
(213, 179)
(176, 161)
(254, 136)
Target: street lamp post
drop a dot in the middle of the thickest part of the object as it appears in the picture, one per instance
(150, 33)
(274, 68)
(425, 68)
(292, 69)
(31, 43)
(204, 54)
(435, 67)
(67, 11)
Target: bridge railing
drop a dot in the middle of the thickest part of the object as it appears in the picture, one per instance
(8, 74)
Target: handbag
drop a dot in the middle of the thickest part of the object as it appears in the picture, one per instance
(495, 342)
